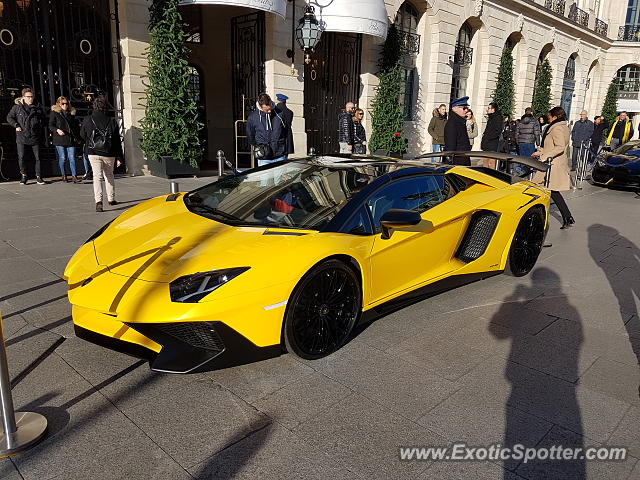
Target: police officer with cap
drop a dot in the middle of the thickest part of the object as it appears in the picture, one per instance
(456, 137)
(287, 115)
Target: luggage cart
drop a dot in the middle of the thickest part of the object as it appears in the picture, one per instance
(583, 161)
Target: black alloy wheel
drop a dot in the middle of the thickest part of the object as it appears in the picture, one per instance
(527, 243)
(323, 310)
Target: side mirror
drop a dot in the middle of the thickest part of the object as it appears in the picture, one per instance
(397, 218)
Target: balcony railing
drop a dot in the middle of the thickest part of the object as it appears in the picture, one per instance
(578, 15)
(629, 33)
(463, 55)
(409, 42)
(557, 6)
(601, 28)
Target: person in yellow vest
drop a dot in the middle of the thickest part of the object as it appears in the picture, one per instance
(621, 131)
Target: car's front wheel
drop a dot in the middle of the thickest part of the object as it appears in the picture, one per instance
(323, 310)
(527, 243)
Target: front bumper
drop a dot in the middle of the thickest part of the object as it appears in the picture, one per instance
(618, 176)
(180, 347)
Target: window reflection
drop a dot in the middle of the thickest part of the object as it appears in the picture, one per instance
(300, 195)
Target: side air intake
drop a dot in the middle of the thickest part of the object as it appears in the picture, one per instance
(478, 235)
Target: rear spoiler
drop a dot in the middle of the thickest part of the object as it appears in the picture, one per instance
(503, 157)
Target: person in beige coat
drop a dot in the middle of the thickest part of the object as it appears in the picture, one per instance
(555, 142)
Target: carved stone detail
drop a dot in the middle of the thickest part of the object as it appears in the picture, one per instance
(479, 4)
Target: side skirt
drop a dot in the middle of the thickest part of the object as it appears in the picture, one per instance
(423, 293)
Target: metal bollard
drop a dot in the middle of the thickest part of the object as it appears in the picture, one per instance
(220, 156)
(175, 188)
(23, 431)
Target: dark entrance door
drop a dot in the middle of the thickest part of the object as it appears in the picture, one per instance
(330, 80)
(248, 57)
(59, 48)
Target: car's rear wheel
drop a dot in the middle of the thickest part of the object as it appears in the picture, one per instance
(323, 310)
(527, 243)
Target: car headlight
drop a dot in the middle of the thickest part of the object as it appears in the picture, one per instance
(99, 232)
(192, 288)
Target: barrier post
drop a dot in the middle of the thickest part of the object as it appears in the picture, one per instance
(20, 431)
(174, 187)
(547, 174)
(221, 159)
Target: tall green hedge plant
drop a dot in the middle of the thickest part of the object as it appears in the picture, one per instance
(610, 107)
(505, 89)
(170, 127)
(541, 102)
(387, 114)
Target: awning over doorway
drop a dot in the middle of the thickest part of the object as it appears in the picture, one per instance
(629, 105)
(273, 6)
(352, 16)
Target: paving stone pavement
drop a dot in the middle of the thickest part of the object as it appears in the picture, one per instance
(551, 358)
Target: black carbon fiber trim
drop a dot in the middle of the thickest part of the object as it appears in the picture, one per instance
(478, 235)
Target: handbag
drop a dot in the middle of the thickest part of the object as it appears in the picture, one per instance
(359, 149)
(263, 151)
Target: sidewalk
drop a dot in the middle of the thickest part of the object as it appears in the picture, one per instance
(551, 358)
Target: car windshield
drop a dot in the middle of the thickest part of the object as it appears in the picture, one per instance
(628, 149)
(293, 195)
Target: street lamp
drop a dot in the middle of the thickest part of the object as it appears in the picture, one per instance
(308, 33)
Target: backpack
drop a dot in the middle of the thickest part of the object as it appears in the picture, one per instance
(100, 139)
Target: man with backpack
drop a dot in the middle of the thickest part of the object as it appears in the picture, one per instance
(103, 145)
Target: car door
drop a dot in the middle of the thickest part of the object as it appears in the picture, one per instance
(414, 255)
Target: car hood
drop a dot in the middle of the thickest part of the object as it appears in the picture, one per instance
(161, 241)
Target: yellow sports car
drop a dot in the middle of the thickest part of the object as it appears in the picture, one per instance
(291, 255)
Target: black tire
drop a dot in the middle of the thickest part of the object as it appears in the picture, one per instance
(324, 307)
(527, 243)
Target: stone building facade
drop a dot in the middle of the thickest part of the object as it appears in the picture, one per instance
(452, 47)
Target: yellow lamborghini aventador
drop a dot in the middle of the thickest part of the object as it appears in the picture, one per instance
(291, 255)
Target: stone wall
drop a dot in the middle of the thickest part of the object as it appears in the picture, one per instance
(532, 28)
(134, 39)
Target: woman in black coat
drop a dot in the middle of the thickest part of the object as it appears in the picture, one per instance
(65, 134)
(359, 133)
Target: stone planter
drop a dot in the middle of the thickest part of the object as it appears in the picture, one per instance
(168, 167)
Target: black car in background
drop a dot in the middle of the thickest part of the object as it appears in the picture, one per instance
(620, 168)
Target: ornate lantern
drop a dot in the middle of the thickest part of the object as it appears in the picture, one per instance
(308, 33)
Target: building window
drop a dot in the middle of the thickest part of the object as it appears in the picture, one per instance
(407, 18)
(628, 80)
(407, 98)
(407, 23)
(568, 85)
(462, 59)
(192, 18)
(570, 69)
(195, 85)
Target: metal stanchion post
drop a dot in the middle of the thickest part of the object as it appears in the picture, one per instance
(547, 174)
(174, 187)
(220, 156)
(21, 430)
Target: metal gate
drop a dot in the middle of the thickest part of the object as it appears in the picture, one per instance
(59, 48)
(331, 79)
(248, 58)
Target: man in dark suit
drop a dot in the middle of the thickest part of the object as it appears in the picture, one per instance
(456, 137)
(287, 115)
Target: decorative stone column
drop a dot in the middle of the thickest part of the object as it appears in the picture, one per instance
(134, 39)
